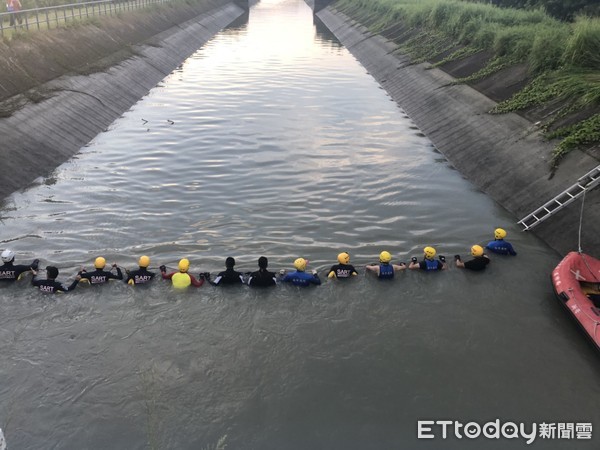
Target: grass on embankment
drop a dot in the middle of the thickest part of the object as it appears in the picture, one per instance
(563, 58)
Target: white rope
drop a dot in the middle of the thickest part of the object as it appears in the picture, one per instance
(579, 250)
(581, 221)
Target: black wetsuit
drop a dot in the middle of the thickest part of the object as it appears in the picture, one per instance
(52, 286)
(343, 270)
(10, 272)
(477, 263)
(140, 276)
(262, 278)
(99, 276)
(229, 276)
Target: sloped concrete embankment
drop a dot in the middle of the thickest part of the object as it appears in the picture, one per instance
(503, 155)
(55, 119)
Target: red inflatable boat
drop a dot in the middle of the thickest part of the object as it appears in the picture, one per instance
(576, 276)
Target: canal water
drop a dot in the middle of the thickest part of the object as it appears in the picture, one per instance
(273, 140)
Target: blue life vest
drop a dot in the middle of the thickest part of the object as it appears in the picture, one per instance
(299, 278)
(501, 246)
(431, 264)
(386, 271)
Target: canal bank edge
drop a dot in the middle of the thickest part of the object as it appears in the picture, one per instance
(503, 155)
(44, 126)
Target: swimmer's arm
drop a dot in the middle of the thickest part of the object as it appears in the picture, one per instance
(373, 268)
(195, 281)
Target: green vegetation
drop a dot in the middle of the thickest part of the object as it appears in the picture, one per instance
(561, 9)
(79, 14)
(583, 133)
(513, 35)
(563, 59)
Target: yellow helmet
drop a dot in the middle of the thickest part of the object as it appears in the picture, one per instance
(100, 262)
(499, 233)
(429, 252)
(385, 257)
(144, 261)
(300, 264)
(477, 250)
(184, 265)
(344, 258)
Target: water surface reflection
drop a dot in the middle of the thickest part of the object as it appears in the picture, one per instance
(273, 140)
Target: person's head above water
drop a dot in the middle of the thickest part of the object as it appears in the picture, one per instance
(385, 257)
(8, 256)
(51, 272)
(477, 250)
(429, 252)
(344, 258)
(300, 264)
(499, 233)
(184, 265)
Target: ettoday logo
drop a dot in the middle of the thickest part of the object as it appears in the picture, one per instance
(432, 429)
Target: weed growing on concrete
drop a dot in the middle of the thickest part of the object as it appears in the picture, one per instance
(492, 67)
(563, 58)
(575, 136)
(578, 89)
(571, 90)
(461, 53)
(426, 45)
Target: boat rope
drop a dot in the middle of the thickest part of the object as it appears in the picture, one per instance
(581, 221)
(580, 251)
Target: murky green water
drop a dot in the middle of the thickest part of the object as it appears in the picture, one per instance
(272, 140)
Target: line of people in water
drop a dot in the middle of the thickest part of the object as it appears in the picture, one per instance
(181, 278)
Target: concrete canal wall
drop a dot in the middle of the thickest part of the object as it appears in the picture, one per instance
(74, 83)
(503, 155)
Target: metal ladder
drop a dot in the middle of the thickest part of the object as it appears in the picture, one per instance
(586, 183)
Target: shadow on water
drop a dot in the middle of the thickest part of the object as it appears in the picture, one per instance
(239, 25)
(324, 34)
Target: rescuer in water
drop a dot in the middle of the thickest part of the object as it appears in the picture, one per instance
(262, 277)
(228, 276)
(344, 269)
(385, 269)
(141, 275)
(299, 277)
(101, 276)
(50, 285)
(428, 263)
(499, 245)
(479, 261)
(181, 278)
(11, 272)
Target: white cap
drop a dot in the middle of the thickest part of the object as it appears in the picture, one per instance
(7, 256)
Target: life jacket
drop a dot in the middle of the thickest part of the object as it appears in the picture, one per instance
(181, 280)
(386, 271)
(499, 246)
(431, 264)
